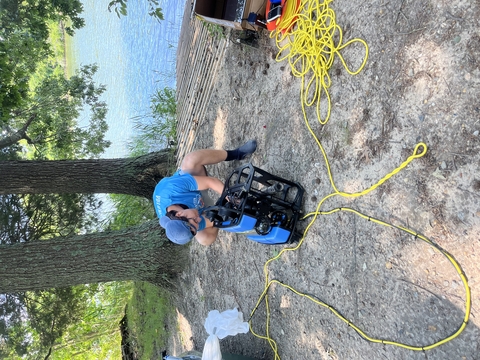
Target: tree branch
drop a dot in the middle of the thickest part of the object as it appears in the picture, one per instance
(19, 135)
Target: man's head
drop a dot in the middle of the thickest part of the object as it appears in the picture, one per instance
(179, 229)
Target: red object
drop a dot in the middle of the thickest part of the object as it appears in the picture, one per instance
(272, 25)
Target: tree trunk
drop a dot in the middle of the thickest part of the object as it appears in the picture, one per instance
(138, 253)
(132, 176)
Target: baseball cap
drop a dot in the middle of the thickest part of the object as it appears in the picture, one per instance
(177, 231)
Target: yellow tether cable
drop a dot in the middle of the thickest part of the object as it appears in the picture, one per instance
(311, 47)
(310, 51)
(268, 283)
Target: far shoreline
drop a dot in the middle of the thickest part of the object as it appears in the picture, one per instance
(69, 62)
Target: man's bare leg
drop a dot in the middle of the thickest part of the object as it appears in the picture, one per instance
(194, 162)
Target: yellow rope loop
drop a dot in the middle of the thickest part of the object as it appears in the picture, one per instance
(363, 334)
(310, 48)
(419, 151)
(416, 154)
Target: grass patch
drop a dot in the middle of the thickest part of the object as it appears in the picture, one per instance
(70, 60)
(147, 314)
(62, 46)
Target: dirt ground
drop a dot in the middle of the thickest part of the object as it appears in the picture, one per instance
(420, 84)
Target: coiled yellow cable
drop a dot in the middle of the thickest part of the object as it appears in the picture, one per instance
(310, 49)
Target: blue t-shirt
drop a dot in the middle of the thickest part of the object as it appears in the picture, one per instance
(180, 188)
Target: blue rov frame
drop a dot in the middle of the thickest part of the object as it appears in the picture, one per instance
(265, 207)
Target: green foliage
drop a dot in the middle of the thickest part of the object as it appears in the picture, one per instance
(19, 55)
(129, 211)
(147, 313)
(39, 217)
(54, 107)
(153, 132)
(120, 8)
(36, 98)
(81, 320)
(150, 306)
(12, 339)
(159, 128)
(214, 30)
(32, 15)
(24, 43)
(14, 225)
(52, 215)
(97, 335)
(47, 123)
(51, 312)
(40, 104)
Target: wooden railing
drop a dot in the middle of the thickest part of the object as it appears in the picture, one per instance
(198, 56)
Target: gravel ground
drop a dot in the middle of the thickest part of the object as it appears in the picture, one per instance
(420, 84)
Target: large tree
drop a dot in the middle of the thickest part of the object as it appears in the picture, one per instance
(139, 253)
(133, 176)
(39, 107)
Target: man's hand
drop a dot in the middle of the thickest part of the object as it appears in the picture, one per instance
(190, 214)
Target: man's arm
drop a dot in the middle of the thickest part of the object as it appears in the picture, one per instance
(208, 182)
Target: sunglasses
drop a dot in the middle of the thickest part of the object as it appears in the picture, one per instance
(172, 215)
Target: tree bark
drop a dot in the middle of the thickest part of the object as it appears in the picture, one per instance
(139, 253)
(132, 176)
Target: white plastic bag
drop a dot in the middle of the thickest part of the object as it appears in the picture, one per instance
(218, 326)
(211, 350)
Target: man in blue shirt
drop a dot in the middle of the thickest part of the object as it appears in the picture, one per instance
(178, 199)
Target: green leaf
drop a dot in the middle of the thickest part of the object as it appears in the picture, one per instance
(123, 9)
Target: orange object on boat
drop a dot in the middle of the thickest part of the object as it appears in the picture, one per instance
(274, 25)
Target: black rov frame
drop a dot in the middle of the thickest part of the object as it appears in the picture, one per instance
(263, 206)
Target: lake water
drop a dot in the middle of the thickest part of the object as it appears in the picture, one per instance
(136, 54)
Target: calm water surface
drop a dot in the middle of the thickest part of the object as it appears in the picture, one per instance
(136, 54)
